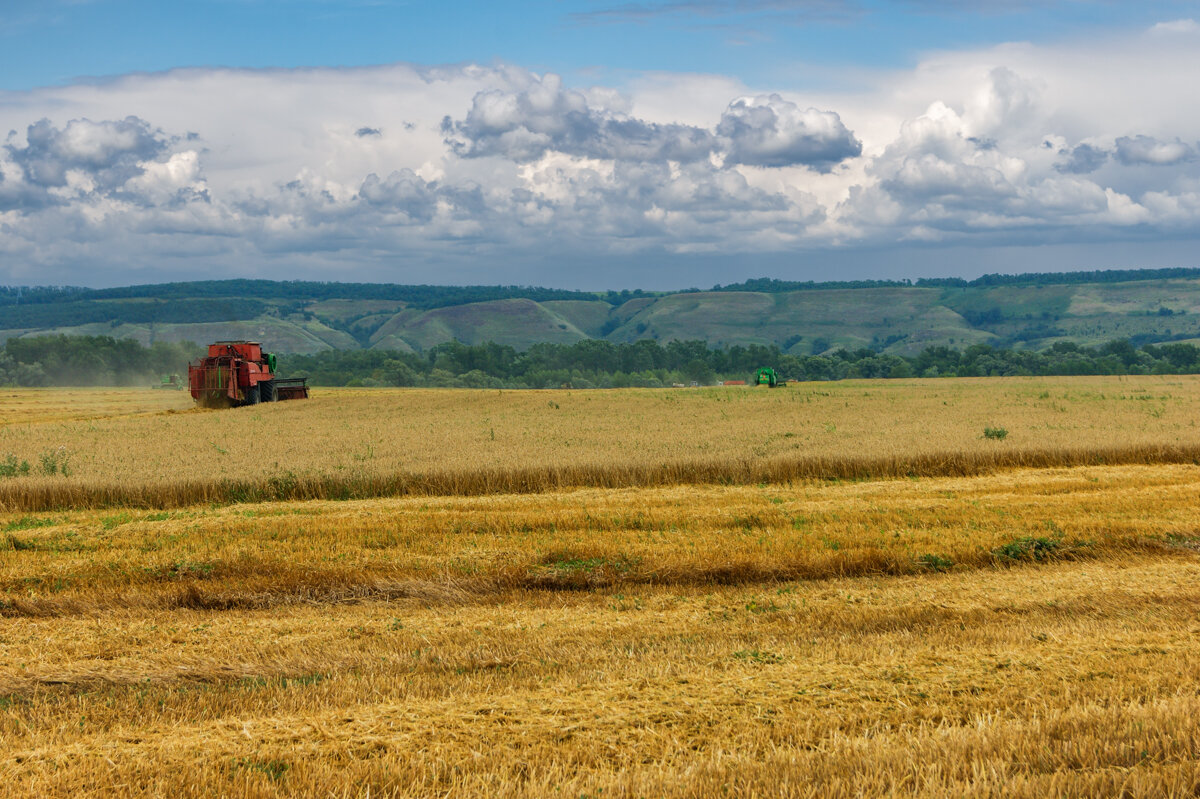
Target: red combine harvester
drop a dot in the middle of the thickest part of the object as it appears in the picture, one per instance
(240, 373)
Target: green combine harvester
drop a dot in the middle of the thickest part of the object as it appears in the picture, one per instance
(766, 376)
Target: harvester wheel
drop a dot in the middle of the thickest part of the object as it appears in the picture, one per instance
(252, 395)
(268, 391)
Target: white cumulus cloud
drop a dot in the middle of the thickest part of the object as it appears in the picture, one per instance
(395, 171)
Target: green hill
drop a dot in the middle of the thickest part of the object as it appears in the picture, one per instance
(802, 318)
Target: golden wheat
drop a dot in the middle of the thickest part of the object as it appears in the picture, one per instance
(723, 629)
(256, 555)
(357, 444)
(1063, 680)
(40, 405)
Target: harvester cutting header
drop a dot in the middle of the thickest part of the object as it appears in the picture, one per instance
(240, 373)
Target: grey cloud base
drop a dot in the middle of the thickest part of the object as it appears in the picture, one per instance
(754, 131)
(1134, 150)
(97, 157)
(772, 132)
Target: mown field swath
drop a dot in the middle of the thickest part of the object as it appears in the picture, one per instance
(1025, 632)
(265, 554)
(357, 444)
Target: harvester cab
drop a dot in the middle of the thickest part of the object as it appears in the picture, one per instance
(240, 373)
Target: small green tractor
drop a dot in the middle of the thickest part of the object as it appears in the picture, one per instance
(766, 376)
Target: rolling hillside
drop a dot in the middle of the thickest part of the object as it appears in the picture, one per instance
(1145, 306)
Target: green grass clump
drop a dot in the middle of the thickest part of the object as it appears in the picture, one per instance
(11, 467)
(1027, 548)
(935, 563)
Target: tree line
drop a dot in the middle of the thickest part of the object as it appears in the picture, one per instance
(772, 286)
(90, 361)
(592, 363)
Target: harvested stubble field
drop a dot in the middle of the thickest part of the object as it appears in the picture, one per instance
(1029, 632)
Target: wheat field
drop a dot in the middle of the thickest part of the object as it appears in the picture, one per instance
(365, 443)
(23, 405)
(1019, 632)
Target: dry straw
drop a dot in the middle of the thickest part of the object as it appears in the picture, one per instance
(717, 617)
(34, 496)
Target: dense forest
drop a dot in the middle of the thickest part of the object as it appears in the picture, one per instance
(102, 360)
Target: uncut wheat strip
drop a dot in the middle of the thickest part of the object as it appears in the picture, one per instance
(18, 496)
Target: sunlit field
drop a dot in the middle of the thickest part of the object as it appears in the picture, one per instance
(364, 443)
(23, 405)
(997, 632)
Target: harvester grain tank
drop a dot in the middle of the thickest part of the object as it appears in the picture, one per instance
(240, 373)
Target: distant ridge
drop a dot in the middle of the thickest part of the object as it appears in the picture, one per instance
(422, 296)
(440, 296)
(771, 286)
(1034, 310)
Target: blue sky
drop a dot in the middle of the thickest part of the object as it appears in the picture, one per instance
(58, 41)
(594, 143)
